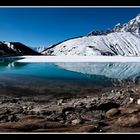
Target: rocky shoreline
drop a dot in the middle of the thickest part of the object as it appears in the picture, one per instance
(114, 111)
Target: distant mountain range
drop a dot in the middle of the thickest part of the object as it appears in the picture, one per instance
(122, 40)
(132, 26)
(39, 49)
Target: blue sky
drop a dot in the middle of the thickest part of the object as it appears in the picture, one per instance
(46, 26)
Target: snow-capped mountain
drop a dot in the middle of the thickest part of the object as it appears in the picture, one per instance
(39, 49)
(122, 40)
(125, 44)
(15, 49)
(132, 26)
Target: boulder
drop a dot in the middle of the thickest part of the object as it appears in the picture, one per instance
(68, 109)
(131, 120)
(77, 121)
(138, 101)
(112, 112)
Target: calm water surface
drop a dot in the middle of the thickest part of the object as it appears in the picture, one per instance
(63, 77)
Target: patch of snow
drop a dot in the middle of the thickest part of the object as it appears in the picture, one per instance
(78, 59)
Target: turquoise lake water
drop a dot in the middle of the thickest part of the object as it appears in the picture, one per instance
(65, 77)
(47, 71)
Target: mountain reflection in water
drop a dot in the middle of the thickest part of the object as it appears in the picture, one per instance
(111, 70)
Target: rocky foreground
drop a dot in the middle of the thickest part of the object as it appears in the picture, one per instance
(117, 110)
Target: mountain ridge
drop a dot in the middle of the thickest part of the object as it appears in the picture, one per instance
(122, 40)
(132, 26)
(15, 49)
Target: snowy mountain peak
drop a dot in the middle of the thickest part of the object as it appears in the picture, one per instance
(123, 39)
(118, 24)
(132, 26)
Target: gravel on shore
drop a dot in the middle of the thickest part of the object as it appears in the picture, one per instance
(116, 110)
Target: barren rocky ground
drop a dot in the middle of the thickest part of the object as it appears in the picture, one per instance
(115, 110)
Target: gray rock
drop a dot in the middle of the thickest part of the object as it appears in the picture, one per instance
(76, 121)
(56, 117)
(71, 117)
(25, 107)
(68, 109)
(126, 100)
(88, 116)
(59, 103)
(29, 107)
(16, 110)
(12, 118)
(4, 111)
(68, 112)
